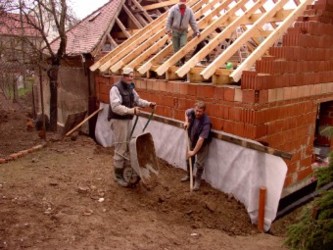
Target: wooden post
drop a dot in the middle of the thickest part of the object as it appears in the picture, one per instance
(261, 210)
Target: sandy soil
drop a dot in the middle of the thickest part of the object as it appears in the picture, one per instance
(64, 197)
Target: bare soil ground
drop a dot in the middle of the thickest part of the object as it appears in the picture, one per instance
(64, 197)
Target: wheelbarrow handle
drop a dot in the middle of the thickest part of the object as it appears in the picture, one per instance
(135, 122)
(149, 119)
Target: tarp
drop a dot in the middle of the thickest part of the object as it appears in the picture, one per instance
(230, 168)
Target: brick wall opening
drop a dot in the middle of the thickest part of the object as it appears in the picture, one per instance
(322, 144)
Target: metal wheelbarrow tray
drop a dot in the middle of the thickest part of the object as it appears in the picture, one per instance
(143, 156)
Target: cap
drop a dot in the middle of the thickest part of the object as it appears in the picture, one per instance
(182, 1)
(127, 71)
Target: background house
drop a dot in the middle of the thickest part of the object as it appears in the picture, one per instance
(18, 42)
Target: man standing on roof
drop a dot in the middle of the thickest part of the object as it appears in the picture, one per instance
(178, 20)
(198, 126)
(124, 103)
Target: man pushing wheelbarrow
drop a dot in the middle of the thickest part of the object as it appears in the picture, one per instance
(125, 103)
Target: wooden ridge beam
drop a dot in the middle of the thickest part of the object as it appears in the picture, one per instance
(263, 47)
(226, 33)
(220, 60)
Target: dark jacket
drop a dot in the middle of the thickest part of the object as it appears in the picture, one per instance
(203, 128)
(127, 95)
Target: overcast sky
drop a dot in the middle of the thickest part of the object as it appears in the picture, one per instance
(83, 8)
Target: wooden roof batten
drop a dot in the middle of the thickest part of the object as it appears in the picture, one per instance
(150, 49)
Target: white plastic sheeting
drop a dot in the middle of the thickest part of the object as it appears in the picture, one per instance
(230, 168)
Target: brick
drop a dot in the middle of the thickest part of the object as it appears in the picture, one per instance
(235, 114)
(205, 91)
(228, 126)
(229, 94)
(238, 95)
(249, 96)
(304, 173)
(217, 123)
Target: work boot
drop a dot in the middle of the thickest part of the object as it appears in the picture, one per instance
(119, 177)
(198, 179)
(185, 178)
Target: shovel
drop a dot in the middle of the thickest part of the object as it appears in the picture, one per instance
(190, 160)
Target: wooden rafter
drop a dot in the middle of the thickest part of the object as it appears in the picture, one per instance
(158, 57)
(144, 12)
(208, 30)
(160, 4)
(150, 49)
(122, 27)
(261, 49)
(132, 17)
(112, 41)
(222, 59)
(220, 37)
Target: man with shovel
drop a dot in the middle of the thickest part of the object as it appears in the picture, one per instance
(198, 126)
(124, 103)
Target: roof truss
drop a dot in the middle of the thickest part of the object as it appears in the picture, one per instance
(249, 26)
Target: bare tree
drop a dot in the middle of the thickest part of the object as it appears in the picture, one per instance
(38, 14)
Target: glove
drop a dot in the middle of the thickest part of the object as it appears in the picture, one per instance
(152, 105)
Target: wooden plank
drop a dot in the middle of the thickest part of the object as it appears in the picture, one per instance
(112, 41)
(136, 51)
(144, 12)
(122, 27)
(263, 47)
(243, 142)
(126, 49)
(141, 19)
(155, 59)
(171, 75)
(226, 33)
(152, 49)
(132, 17)
(81, 123)
(220, 60)
(160, 4)
(105, 59)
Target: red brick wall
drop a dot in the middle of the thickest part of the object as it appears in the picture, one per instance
(275, 104)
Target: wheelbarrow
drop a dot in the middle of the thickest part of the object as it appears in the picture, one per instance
(142, 156)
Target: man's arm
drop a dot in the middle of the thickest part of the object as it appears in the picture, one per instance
(169, 21)
(197, 147)
(194, 24)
